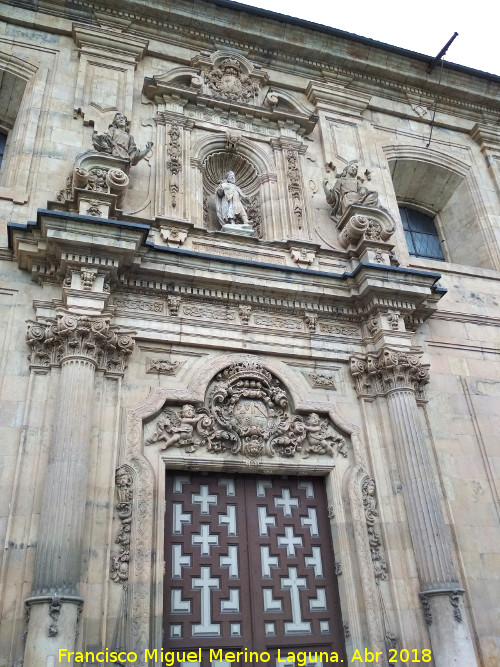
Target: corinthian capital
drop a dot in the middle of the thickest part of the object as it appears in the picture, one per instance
(68, 336)
(387, 371)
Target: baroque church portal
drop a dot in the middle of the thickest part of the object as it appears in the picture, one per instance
(249, 361)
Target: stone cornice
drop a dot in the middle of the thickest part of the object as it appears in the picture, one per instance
(389, 370)
(119, 254)
(328, 50)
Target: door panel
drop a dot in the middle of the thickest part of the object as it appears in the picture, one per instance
(249, 566)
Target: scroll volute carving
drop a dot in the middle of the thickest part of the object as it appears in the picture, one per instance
(247, 413)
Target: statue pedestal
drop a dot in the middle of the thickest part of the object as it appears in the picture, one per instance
(243, 229)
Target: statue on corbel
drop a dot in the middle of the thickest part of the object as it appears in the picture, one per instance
(364, 226)
(118, 141)
(99, 180)
(348, 189)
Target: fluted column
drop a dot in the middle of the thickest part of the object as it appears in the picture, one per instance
(400, 377)
(80, 344)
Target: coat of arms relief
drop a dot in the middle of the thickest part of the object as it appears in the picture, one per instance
(247, 412)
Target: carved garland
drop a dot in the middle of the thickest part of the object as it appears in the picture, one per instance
(120, 560)
(247, 413)
(370, 507)
(174, 161)
(294, 187)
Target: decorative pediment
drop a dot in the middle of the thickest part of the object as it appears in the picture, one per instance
(229, 81)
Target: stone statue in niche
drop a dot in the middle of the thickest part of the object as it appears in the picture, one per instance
(118, 141)
(348, 189)
(229, 202)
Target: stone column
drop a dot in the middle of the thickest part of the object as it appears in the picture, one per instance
(80, 344)
(400, 377)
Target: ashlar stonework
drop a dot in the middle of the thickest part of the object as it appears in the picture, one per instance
(219, 282)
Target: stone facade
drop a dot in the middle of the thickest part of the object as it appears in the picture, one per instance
(149, 299)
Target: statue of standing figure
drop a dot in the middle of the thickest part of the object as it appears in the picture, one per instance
(348, 189)
(118, 141)
(229, 202)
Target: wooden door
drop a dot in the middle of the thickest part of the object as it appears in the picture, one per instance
(249, 569)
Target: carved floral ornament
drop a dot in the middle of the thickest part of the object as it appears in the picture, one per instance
(95, 338)
(389, 370)
(247, 412)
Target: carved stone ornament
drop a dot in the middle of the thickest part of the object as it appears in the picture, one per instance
(370, 508)
(455, 603)
(228, 81)
(120, 559)
(244, 312)
(247, 413)
(390, 369)
(322, 380)
(426, 605)
(294, 185)
(163, 366)
(54, 611)
(54, 340)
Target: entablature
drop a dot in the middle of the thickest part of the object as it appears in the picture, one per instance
(107, 257)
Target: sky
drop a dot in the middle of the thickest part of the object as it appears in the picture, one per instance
(419, 25)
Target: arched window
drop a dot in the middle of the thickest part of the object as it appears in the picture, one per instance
(421, 234)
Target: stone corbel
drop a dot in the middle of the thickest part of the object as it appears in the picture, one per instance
(337, 97)
(385, 325)
(96, 187)
(303, 256)
(365, 233)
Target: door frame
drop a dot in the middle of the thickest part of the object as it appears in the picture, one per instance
(140, 617)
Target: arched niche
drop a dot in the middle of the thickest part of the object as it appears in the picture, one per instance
(251, 164)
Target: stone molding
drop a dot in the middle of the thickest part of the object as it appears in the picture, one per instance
(389, 370)
(54, 341)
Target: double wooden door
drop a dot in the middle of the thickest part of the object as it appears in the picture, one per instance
(249, 567)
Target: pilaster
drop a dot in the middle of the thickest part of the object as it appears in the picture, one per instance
(79, 344)
(400, 377)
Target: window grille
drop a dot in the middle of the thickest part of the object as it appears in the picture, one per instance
(421, 234)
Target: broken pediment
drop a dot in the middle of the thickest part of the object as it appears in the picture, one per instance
(230, 82)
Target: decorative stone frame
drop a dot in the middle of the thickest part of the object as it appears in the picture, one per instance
(142, 622)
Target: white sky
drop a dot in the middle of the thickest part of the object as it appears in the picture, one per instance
(417, 25)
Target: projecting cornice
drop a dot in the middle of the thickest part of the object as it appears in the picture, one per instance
(372, 67)
(102, 257)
